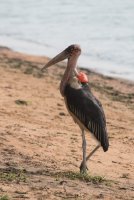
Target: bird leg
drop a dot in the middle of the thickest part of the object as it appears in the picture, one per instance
(83, 167)
(92, 152)
(87, 158)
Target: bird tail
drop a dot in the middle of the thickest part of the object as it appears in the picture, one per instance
(105, 142)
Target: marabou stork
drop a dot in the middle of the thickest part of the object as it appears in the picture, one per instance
(82, 105)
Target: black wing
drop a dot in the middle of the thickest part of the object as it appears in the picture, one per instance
(89, 111)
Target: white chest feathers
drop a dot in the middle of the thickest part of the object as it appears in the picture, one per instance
(74, 83)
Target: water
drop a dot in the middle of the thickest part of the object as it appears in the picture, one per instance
(104, 29)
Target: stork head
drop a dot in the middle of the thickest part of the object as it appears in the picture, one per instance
(71, 53)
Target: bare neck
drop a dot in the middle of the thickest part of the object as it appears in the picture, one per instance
(71, 66)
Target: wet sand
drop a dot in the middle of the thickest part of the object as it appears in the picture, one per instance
(40, 144)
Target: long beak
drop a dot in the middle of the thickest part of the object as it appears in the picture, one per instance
(61, 56)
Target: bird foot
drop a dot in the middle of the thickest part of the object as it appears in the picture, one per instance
(83, 168)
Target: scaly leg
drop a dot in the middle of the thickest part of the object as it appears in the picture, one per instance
(92, 152)
(83, 167)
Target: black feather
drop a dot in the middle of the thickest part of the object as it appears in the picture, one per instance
(89, 111)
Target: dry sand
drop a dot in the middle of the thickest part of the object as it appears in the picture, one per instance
(40, 144)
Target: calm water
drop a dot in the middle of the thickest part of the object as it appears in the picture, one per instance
(104, 29)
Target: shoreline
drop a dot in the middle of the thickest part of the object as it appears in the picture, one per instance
(40, 144)
(118, 87)
(82, 62)
(45, 58)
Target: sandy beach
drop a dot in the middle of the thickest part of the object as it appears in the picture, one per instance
(40, 144)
